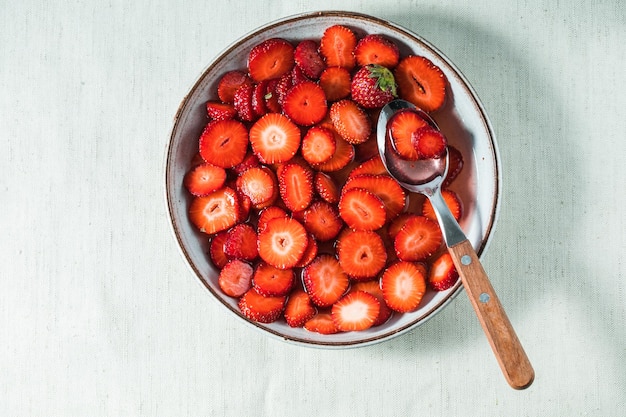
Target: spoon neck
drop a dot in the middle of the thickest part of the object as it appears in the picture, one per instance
(452, 232)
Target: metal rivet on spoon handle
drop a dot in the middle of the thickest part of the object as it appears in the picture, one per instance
(425, 177)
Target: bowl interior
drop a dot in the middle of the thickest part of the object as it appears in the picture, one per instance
(462, 120)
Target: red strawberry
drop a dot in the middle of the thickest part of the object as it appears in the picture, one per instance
(235, 278)
(259, 103)
(455, 165)
(224, 143)
(350, 121)
(215, 212)
(344, 154)
(418, 239)
(358, 310)
(398, 223)
(361, 253)
(229, 83)
(337, 46)
(373, 86)
(376, 49)
(308, 59)
(216, 250)
(373, 287)
(318, 145)
(283, 242)
(309, 253)
(217, 110)
(305, 103)
(270, 59)
(402, 126)
(249, 161)
(260, 308)
(243, 103)
(362, 210)
(322, 220)
(385, 187)
(452, 201)
(321, 323)
(299, 309)
(274, 138)
(241, 242)
(284, 84)
(443, 273)
(372, 166)
(403, 285)
(271, 281)
(335, 81)
(260, 185)
(298, 76)
(421, 82)
(429, 142)
(326, 188)
(204, 179)
(296, 186)
(269, 213)
(271, 96)
(325, 281)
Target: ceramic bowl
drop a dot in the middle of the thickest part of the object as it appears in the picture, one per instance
(462, 120)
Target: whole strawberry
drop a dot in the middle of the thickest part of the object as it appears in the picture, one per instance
(373, 86)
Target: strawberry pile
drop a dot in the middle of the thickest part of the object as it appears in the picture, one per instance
(305, 224)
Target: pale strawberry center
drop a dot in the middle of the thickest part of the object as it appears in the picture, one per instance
(282, 243)
(274, 139)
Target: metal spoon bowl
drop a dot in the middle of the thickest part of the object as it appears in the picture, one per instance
(425, 176)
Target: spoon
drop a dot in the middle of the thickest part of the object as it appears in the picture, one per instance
(425, 176)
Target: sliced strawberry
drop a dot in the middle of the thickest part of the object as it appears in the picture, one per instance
(337, 46)
(284, 84)
(335, 81)
(443, 273)
(344, 154)
(274, 138)
(260, 308)
(242, 102)
(296, 186)
(271, 281)
(322, 220)
(241, 242)
(224, 143)
(452, 201)
(310, 252)
(455, 165)
(318, 145)
(305, 103)
(358, 310)
(260, 185)
(362, 210)
(283, 242)
(373, 287)
(429, 142)
(299, 308)
(229, 83)
(418, 239)
(376, 49)
(249, 161)
(298, 76)
(403, 285)
(235, 278)
(372, 166)
(373, 86)
(421, 82)
(204, 179)
(215, 212)
(270, 59)
(216, 250)
(271, 96)
(308, 58)
(398, 223)
(401, 127)
(361, 253)
(326, 188)
(269, 213)
(259, 103)
(385, 187)
(324, 280)
(321, 323)
(218, 110)
(350, 121)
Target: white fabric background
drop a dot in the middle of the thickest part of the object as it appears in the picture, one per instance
(100, 316)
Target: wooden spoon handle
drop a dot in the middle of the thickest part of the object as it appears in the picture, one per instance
(508, 350)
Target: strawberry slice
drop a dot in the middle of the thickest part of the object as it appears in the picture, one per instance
(260, 308)
(401, 127)
(271, 96)
(361, 253)
(318, 145)
(421, 82)
(326, 188)
(344, 154)
(455, 165)
(215, 212)
(299, 309)
(309, 253)
(337, 46)
(204, 179)
(260, 185)
(358, 310)
(305, 103)
(229, 83)
(443, 273)
(274, 138)
(242, 102)
(372, 166)
(452, 201)
(373, 287)
(235, 278)
(321, 323)
(398, 223)
(283, 242)
(269, 213)
(308, 59)
(324, 280)
(217, 110)
(259, 103)
(270, 59)
(429, 142)
(323, 221)
(296, 186)
(419, 238)
(403, 285)
(271, 281)
(224, 143)
(216, 250)
(335, 81)
(350, 121)
(241, 242)
(362, 210)
(385, 187)
(376, 49)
